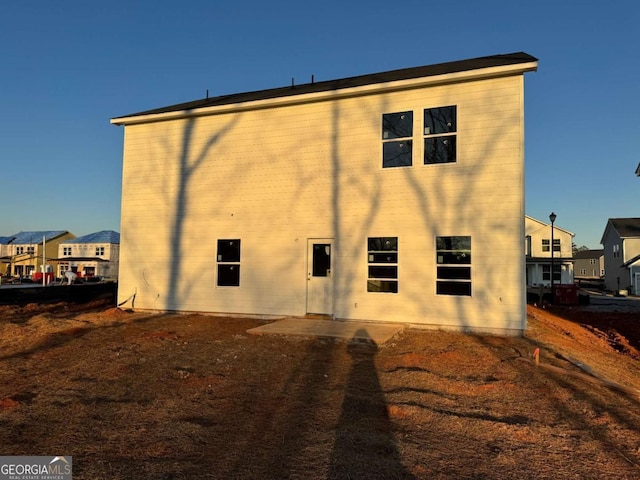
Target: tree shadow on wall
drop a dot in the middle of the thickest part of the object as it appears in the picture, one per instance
(189, 163)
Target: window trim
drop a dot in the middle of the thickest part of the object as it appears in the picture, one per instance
(440, 135)
(442, 266)
(375, 261)
(546, 272)
(221, 262)
(393, 140)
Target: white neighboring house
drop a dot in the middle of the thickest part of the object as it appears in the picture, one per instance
(621, 242)
(96, 254)
(396, 196)
(538, 253)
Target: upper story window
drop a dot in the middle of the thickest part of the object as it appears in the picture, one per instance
(546, 244)
(66, 251)
(616, 251)
(31, 249)
(19, 250)
(99, 251)
(592, 261)
(440, 135)
(228, 263)
(397, 139)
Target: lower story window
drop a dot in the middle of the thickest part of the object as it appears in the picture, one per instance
(453, 258)
(382, 264)
(557, 273)
(228, 263)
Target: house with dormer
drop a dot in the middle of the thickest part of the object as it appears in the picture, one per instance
(396, 196)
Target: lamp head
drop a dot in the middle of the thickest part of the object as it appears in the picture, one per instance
(552, 217)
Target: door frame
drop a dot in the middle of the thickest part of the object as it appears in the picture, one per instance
(329, 282)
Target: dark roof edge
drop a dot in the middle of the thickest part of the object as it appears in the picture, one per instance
(349, 82)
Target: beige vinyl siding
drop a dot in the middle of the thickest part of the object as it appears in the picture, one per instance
(631, 248)
(274, 177)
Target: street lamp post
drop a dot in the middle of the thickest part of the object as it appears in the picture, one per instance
(552, 217)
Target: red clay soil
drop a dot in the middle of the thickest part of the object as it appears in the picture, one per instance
(141, 396)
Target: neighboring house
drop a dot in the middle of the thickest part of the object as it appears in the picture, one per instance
(22, 253)
(95, 254)
(538, 253)
(5, 255)
(621, 242)
(396, 196)
(588, 265)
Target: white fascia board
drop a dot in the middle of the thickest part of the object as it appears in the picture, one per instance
(479, 74)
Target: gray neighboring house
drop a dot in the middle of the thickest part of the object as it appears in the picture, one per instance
(588, 266)
(621, 241)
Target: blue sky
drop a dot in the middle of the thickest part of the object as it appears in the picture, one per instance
(69, 66)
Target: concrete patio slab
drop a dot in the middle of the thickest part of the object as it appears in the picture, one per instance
(378, 333)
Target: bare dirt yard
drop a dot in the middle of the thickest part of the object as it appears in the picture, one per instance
(149, 396)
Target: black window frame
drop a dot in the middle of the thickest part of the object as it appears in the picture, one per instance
(382, 265)
(454, 265)
(397, 139)
(440, 134)
(228, 254)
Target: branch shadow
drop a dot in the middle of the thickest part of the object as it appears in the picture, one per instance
(188, 167)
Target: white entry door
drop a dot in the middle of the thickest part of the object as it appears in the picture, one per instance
(319, 276)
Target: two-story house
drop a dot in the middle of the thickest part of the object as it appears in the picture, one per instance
(588, 267)
(5, 256)
(23, 252)
(96, 254)
(539, 247)
(396, 196)
(621, 242)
